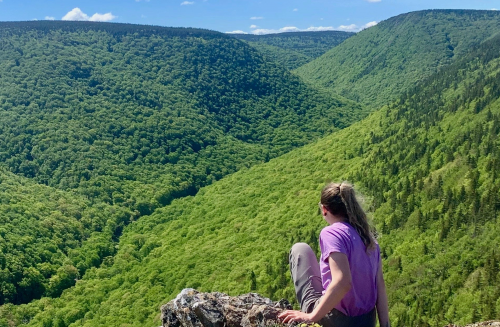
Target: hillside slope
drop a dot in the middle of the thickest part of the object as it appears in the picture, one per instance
(428, 166)
(139, 115)
(127, 118)
(380, 63)
(294, 49)
(49, 237)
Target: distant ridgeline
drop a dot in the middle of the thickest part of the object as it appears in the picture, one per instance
(295, 49)
(140, 115)
(126, 118)
(380, 63)
(428, 164)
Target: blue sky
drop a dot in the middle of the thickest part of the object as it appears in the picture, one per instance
(249, 16)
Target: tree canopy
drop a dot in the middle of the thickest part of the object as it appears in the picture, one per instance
(49, 238)
(380, 63)
(126, 118)
(427, 165)
(294, 49)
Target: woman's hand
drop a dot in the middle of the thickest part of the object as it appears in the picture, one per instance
(290, 316)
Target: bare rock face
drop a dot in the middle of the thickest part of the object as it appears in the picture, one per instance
(481, 324)
(194, 309)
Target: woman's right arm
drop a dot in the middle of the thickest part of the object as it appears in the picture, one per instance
(382, 302)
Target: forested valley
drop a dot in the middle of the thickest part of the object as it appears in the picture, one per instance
(294, 49)
(376, 66)
(137, 161)
(130, 118)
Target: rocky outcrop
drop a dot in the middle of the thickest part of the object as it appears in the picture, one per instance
(481, 324)
(194, 309)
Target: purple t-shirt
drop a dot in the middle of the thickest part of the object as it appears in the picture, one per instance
(342, 237)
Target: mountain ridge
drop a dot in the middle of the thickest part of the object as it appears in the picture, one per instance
(95, 81)
(133, 117)
(294, 49)
(427, 164)
(377, 64)
(119, 27)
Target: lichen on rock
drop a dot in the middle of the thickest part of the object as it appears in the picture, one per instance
(195, 309)
(481, 324)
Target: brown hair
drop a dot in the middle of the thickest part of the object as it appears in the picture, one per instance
(340, 200)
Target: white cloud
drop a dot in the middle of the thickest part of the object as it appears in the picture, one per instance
(236, 32)
(262, 31)
(253, 26)
(102, 17)
(186, 3)
(285, 29)
(49, 18)
(374, 0)
(368, 25)
(78, 15)
(295, 9)
(491, 8)
(289, 29)
(320, 28)
(356, 28)
(346, 28)
(254, 18)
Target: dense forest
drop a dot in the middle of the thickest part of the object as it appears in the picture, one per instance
(49, 238)
(427, 165)
(136, 161)
(189, 109)
(382, 62)
(294, 49)
(129, 118)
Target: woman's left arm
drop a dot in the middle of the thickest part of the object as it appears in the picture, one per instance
(341, 284)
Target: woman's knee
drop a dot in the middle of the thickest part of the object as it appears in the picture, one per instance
(300, 248)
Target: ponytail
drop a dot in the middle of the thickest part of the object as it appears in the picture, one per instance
(340, 199)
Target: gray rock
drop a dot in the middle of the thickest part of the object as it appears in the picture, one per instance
(481, 324)
(260, 315)
(195, 309)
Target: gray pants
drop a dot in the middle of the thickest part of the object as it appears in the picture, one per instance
(306, 277)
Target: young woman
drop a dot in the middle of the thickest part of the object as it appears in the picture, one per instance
(346, 288)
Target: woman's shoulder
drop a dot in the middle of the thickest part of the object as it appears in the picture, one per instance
(337, 237)
(339, 226)
(337, 229)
